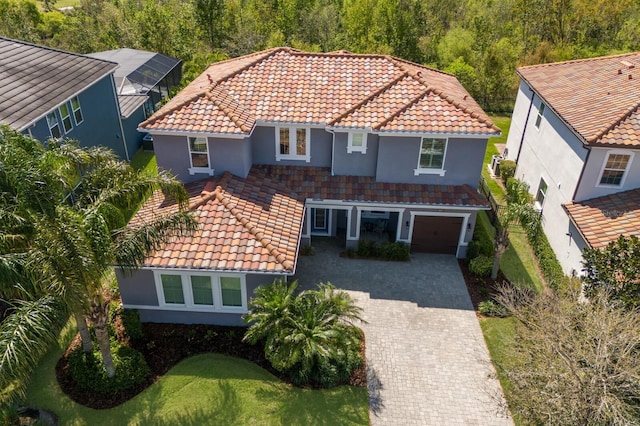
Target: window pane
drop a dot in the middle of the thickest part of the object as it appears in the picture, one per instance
(356, 139)
(198, 144)
(200, 160)
(231, 293)
(301, 141)
(432, 153)
(66, 117)
(617, 161)
(201, 287)
(284, 141)
(75, 103)
(52, 121)
(172, 288)
(77, 112)
(611, 177)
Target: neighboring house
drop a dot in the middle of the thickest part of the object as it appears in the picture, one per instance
(282, 146)
(575, 134)
(143, 80)
(47, 93)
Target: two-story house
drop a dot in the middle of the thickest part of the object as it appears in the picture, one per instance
(575, 135)
(47, 93)
(281, 146)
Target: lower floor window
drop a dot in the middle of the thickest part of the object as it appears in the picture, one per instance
(210, 291)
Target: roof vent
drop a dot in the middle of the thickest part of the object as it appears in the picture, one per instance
(628, 64)
(619, 72)
(210, 78)
(630, 77)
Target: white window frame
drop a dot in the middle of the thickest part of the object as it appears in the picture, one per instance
(75, 110)
(540, 115)
(193, 170)
(187, 292)
(56, 124)
(431, 171)
(539, 204)
(68, 117)
(629, 154)
(293, 145)
(362, 148)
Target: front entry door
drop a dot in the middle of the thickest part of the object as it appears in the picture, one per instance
(320, 221)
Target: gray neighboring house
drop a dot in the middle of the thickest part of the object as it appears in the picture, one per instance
(143, 80)
(282, 146)
(48, 93)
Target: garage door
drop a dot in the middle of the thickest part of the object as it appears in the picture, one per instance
(436, 234)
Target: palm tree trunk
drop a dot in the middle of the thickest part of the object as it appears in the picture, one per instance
(500, 244)
(83, 329)
(99, 317)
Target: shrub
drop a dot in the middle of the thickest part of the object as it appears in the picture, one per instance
(87, 371)
(481, 266)
(307, 250)
(350, 252)
(491, 308)
(481, 244)
(131, 323)
(367, 248)
(549, 265)
(507, 170)
(308, 336)
(394, 251)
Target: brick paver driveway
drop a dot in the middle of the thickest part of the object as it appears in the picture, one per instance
(426, 357)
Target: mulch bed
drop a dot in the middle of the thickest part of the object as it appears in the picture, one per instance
(164, 345)
(479, 289)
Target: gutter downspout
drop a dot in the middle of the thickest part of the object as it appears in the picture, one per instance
(115, 98)
(333, 148)
(584, 165)
(524, 130)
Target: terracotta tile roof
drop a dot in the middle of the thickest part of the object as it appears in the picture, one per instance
(601, 220)
(250, 225)
(596, 97)
(339, 89)
(318, 183)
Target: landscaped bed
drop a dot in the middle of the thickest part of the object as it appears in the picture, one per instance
(165, 345)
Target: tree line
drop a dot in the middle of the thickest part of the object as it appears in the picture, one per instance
(480, 41)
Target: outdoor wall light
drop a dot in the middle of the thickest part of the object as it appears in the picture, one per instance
(406, 224)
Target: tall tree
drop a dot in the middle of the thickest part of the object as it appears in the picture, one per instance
(68, 210)
(209, 14)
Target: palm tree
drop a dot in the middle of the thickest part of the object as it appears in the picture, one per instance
(519, 210)
(67, 213)
(310, 336)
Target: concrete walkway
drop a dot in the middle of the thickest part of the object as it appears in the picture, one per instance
(426, 358)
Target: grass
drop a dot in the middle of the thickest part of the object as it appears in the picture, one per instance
(145, 162)
(205, 389)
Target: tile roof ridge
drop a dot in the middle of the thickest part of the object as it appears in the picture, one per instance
(251, 227)
(231, 114)
(405, 107)
(615, 124)
(372, 96)
(161, 114)
(207, 194)
(578, 60)
(267, 54)
(418, 77)
(400, 63)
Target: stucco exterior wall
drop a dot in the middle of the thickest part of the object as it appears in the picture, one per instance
(398, 159)
(264, 148)
(590, 184)
(130, 126)
(355, 163)
(101, 119)
(139, 290)
(554, 153)
(172, 154)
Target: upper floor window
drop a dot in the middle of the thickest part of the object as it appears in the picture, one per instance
(199, 155)
(357, 142)
(292, 143)
(615, 168)
(201, 291)
(66, 117)
(540, 114)
(541, 194)
(54, 125)
(77, 111)
(431, 159)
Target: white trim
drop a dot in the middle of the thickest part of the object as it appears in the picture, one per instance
(154, 132)
(626, 170)
(328, 222)
(362, 148)
(293, 143)
(540, 115)
(56, 124)
(73, 111)
(381, 206)
(437, 135)
(187, 292)
(431, 171)
(465, 220)
(285, 123)
(394, 209)
(193, 170)
(63, 117)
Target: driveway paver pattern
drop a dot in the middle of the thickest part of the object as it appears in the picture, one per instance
(427, 362)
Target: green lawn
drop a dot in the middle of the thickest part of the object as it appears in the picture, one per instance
(206, 389)
(145, 161)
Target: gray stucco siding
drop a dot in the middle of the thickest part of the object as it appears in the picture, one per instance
(138, 288)
(101, 121)
(230, 155)
(355, 163)
(590, 187)
(398, 159)
(130, 128)
(172, 154)
(263, 146)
